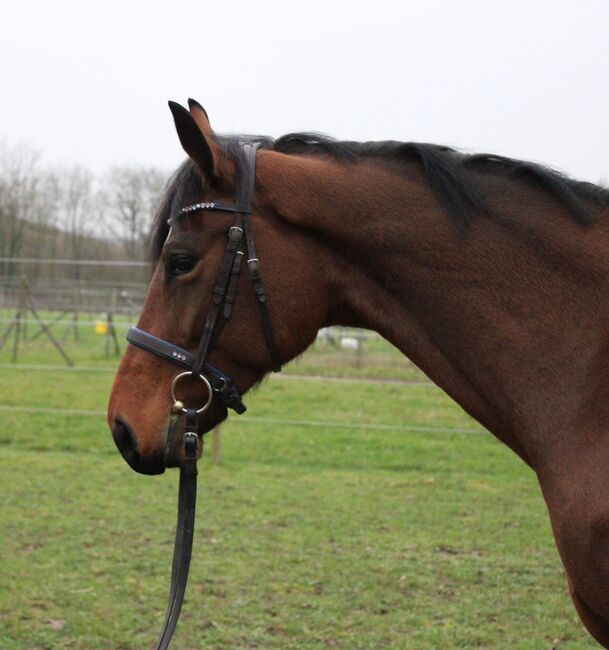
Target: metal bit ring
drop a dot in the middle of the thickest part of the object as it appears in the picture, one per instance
(204, 379)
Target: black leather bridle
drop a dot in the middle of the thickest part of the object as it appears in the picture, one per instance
(240, 241)
(240, 237)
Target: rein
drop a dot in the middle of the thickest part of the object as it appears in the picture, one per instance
(182, 548)
(240, 241)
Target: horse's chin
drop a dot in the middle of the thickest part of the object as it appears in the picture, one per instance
(150, 469)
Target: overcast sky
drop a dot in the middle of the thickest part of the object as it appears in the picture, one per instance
(89, 82)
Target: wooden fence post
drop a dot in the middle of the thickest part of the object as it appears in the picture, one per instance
(21, 313)
(216, 447)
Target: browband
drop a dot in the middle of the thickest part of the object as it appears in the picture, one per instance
(213, 205)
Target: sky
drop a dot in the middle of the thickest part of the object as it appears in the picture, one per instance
(88, 82)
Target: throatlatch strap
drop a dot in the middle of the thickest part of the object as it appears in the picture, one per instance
(182, 549)
(253, 265)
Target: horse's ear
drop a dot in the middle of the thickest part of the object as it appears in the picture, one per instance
(200, 116)
(197, 138)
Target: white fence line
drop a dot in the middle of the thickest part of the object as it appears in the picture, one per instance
(281, 377)
(52, 368)
(51, 321)
(318, 424)
(72, 262)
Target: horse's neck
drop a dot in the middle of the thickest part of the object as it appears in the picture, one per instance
(484, 314)
(388, 239)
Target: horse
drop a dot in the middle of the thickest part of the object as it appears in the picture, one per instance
(489, 273)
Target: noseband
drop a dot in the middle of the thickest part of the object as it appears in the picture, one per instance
(240, 240)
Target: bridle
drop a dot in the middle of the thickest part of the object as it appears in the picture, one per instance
(223, 297)
(240, 241)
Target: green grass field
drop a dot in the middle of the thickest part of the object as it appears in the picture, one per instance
(344, 515)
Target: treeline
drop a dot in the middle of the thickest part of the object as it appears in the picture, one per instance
(70, 212)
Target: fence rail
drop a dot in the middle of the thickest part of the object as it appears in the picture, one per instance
(74, 295)
(37, 305)
(53, 261)
(317, 424)
(87, 269)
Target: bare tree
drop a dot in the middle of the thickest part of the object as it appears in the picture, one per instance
(74, 187)
(130, 198)
(68, 212)
(20, 200)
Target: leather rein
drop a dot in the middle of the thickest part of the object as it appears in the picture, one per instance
(240, 241)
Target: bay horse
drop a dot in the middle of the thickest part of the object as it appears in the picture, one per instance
(490, 274)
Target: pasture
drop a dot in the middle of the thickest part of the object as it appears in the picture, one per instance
(345, 514)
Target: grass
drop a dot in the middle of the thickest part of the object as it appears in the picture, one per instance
(312, 533)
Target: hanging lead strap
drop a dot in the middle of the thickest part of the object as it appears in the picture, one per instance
(182, 549)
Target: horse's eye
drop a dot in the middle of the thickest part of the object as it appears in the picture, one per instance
(181, 264)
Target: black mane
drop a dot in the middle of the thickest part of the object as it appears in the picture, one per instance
(449, 172)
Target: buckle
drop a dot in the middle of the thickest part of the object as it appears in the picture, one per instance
(190, 445)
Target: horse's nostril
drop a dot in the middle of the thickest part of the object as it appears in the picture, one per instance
(125, 441)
